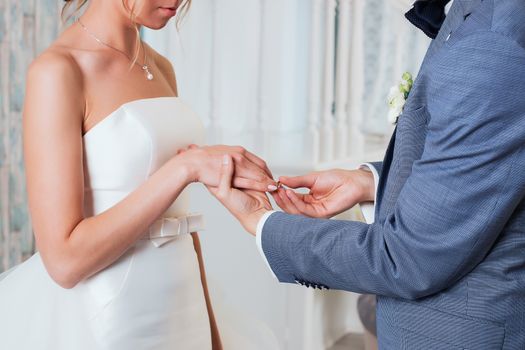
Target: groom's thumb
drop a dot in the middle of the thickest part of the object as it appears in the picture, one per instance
(225, 181)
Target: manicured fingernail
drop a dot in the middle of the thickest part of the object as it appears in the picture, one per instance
(225, 160)
(272, 188)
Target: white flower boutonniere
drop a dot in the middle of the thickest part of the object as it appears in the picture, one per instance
(397, 97)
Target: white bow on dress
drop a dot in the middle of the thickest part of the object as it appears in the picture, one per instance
(166, 229)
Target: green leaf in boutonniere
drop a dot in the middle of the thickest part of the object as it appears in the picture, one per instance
(397, 97)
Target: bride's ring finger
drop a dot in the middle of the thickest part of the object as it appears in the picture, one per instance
(247, 169)
(249, 184)
(259, 162)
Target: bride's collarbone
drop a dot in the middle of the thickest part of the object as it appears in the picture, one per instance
(104, 106)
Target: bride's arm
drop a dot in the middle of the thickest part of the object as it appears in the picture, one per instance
(215, 335)
(73, 247)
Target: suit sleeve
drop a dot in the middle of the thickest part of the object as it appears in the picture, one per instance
(454, 204)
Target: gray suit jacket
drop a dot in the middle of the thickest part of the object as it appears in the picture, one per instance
(446, 254)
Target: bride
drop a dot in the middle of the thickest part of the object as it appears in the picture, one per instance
(119, 263)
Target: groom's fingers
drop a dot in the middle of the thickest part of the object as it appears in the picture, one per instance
(225, 182)
(278, 199)
(300, 204)
(299, 181)
(289, 207)
(284, 206)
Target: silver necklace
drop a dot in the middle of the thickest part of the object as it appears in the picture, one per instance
(144, 66)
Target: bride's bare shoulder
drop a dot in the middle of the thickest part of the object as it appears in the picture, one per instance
(55, 64)
(54, 78)
(59, 62)
(54, 86)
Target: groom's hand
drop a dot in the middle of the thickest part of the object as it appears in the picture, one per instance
(331, 192)
(247, 206)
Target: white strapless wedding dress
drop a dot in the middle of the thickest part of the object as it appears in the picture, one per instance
(150, 298)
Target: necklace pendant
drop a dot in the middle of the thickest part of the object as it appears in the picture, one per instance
(145, 67)
(149, 76)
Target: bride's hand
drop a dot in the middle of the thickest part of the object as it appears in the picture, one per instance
(204, 165)
(247, 206)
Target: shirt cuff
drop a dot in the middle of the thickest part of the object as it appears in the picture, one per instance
(258, 238)
(368, 208)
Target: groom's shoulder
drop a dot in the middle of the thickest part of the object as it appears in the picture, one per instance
(508, 19)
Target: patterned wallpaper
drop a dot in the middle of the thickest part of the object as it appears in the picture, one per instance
(27, 27)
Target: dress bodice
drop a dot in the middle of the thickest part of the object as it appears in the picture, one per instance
(130, 144)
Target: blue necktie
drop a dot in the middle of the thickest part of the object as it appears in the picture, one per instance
(428, 15)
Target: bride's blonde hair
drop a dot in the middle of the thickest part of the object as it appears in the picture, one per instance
(72, 7)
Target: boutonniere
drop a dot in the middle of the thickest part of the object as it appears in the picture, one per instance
(398, 96)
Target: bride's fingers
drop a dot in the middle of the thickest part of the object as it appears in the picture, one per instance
(213, 190)
(225, 182)
(261, 197)
(259, 162)
(246, 169)
(248, 184)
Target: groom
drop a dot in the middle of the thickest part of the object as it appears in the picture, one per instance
(446, 251)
